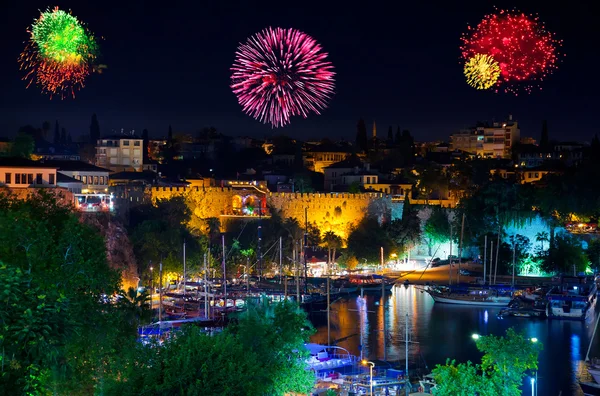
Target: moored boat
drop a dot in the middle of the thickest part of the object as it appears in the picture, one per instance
(471, 295)
(572, 299)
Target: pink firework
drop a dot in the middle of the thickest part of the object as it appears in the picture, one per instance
(279, 73)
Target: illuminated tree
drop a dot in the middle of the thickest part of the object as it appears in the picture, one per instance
(332, 242)
(503, 366)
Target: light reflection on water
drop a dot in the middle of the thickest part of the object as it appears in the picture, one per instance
(444, 331)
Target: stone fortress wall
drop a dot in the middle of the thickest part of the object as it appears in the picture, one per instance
(337, 212)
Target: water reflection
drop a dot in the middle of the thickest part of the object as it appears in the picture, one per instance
(444, 331)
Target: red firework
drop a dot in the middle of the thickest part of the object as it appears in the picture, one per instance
(279, 73)
(519, 43)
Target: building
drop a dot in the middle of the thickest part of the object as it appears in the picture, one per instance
(155, 148)
(566, 153)
(340, 175)
(320, 157)
(93, 179)
(120, 153)
(21, 173)
(486, 140)
(49, 151)
(69, 183)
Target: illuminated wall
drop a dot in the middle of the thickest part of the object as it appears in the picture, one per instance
(337, 212)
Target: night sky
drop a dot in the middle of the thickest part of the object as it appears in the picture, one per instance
(398, 64)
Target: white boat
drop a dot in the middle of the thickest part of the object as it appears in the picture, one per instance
(475, 296)
(574, 298)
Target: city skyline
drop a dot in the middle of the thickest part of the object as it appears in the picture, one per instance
(396, 65)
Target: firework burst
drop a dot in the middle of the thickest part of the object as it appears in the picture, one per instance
(59, 54)
(526, 53)
(279, 73)
(482, 71)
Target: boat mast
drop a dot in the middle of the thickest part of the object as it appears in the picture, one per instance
(383, 307)
(587, 355)
(513, 263)
(484, 257)
(280, 260)
(224, 272)
(406, 376)
(205, 289)
(462, 232)
(160, 293)
(328, 307)
(304, 250)
(450, 258)
(184, 276)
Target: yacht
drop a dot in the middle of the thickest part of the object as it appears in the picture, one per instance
(572, 298)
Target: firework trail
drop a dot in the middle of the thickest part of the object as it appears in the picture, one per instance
(279, 73)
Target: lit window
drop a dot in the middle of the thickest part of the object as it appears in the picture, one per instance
(125, 142)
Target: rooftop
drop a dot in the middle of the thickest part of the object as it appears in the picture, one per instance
(350, 162)
(61, 178)
(119, 137)
(74, 166)
(17, 162)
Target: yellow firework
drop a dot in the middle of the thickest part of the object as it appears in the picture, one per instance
(482, 71)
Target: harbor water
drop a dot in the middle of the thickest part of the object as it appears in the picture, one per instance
(441, 331)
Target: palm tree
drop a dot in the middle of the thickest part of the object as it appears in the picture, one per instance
(135, 307)
(542, 237)
(332, 241)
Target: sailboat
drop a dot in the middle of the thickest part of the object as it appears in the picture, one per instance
(592, 388)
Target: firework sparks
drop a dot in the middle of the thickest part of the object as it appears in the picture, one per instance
(482, 71)
(59, 54)
(524, 50)
(280, 73)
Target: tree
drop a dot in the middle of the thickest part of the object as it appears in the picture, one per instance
(593, 253)
(541, 237)
(94, 129)
(354, 188)
(361, 136)
(332, 242)
(56, 133)
(544, 137)
(437, 227)
(398, 135)
(367, 238)
(503, 366)
(264, 346)
(390, 137)
(63, 136)
(62, 334)
(406, 232)
(463, 379)
(565, 255)
(46, 128)
(22, 146)
(135, 308)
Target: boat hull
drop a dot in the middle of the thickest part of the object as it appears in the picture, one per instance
(474, 302)
(590, 388)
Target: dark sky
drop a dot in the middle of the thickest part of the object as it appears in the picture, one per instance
(168, 63)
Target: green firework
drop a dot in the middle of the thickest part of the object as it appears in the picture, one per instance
(61, 38)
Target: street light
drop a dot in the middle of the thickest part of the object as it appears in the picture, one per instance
(475, 336)
(365, 362)
(532, 386)
(534, 340)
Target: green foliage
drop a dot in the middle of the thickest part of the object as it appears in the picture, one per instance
(463, 379)
(158, 232)
(404, 233)
(564, 253)
(55, 328)
(261, 354)
(354, 188)
(503, 366)
(22, 146)
(593, 253)
(366, 239)
(437, 227)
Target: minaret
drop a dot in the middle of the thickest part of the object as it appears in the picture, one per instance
(374, 130)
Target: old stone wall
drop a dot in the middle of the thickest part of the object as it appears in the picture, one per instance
(337, 212)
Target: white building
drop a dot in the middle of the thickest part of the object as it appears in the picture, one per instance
(93, 179)
(493, 140)
(339, 176)
(120, 153)
(24, 173)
